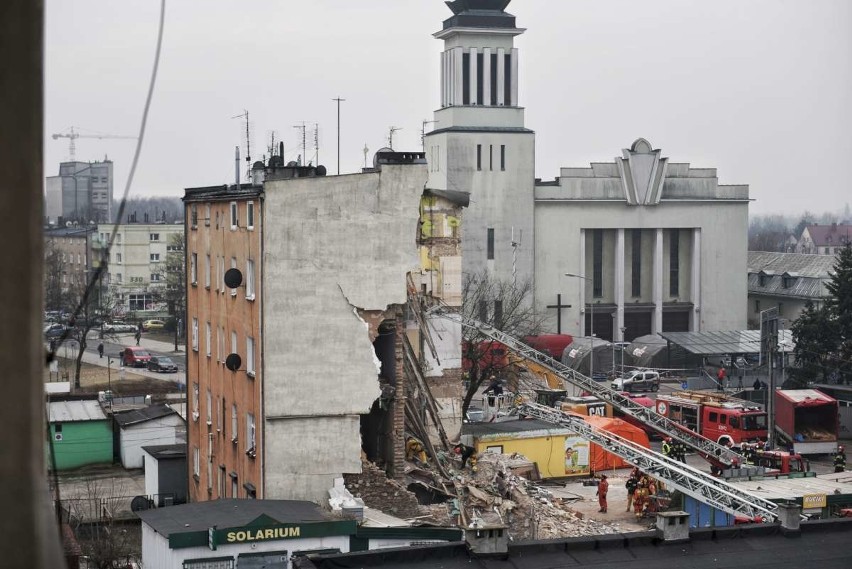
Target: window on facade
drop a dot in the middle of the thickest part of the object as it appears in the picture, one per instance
(597, 263)
(234, 486)
(234, 217)
(193, 216)
(636, 258)
(502, 157)
(250, 279)
(117, 258)
(250, 356)
(156, 277)
(118, 277)
(465, 79)
(207, 271)
(222, 479)
(234, 423)
(154, 236)
(222, 344)
(193, 268)
(491, 157)
(233, 341)
(196, 458)
(207, 215)
(761, 279)
(479, 157)
(233, 266)
(757, 306)
(221, 278)
(674, 262)
(490, 244)
(780, 309)
(195, 334)
(209, 408)
(250, 432)
(209, 340)
(195, 399)
(250, 215)
(118, 238)
(141, 301)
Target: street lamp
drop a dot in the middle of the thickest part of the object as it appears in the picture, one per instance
(591, 328)
(623, 330)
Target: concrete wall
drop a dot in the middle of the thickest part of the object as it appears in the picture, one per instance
(331, 246)
(162, 431)
(789, 308)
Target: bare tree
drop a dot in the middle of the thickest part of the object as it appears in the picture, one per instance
(54, 267)
(505, 306)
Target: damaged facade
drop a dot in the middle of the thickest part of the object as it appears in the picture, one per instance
(317, 317)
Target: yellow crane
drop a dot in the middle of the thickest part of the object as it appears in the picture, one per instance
(73, 135)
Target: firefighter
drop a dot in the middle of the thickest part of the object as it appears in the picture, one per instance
(680, 451)
(840, 460)
(667, 447)
(466, 453)
(603, 487)
(414, 449)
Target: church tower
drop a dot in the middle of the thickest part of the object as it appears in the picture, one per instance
(479, 143)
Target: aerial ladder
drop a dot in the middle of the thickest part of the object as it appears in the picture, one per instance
(688, 480)
(718, 455)
(73, 135)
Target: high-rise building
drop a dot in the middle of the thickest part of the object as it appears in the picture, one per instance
(82, 192)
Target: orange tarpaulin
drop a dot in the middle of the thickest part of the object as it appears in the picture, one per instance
(600, 459)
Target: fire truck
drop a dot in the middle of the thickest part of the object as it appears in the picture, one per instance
(721, 418)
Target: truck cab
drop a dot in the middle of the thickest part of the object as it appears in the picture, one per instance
(724, 419)
(780, 462)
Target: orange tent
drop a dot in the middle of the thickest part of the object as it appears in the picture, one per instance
(599, 459)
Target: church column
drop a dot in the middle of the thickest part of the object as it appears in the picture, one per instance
(619, 284)
(581, 300)
(458, 76)
(514, 81)
(501, 73)
(695, 324)
(444, 97)
(657, 324)
(486, 76)
(472, 76)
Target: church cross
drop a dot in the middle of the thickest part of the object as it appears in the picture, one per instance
(558, 306)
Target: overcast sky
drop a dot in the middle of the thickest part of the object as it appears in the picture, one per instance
(760, 89)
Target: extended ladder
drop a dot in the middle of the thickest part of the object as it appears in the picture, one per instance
(688, 480)
(712, 451)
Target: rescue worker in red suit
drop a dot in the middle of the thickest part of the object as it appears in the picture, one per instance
(603, 486)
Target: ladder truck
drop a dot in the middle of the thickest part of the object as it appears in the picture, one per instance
(677, 475)
(719, 456)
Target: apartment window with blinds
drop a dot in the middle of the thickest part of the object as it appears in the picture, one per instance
(636, 262)
(249, 279)
(490, 244)
(597, 263)
(195, 334)
(209, 340)
(234, 424)
(674, 262)
(250, 356)
(234, 216)
(250, 215)
(193, 269)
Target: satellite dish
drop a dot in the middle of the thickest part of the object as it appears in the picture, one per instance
(233, 278)
(139, 503)
(233, 362)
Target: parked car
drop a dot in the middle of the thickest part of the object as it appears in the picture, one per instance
(135, 356)
(638, 380)
(54, 330)
(162, 364)
(118, 327)
(149, 325)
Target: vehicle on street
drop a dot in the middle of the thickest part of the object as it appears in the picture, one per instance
(54, 330)
(118, 327)
(721, 418)
(134, 356)
(638, 380)
(163, 364)
(149, 325)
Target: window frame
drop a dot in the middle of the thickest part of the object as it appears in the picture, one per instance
(250, 215)
(250, 293)
(235, 215)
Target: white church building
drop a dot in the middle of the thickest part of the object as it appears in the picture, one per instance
(650, 245)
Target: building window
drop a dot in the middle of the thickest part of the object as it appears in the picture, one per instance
(250, 356)
(250, 215)
(195, 401)
(780, 309)
(674, 262)
(233, 266)
(250, 279)
(761, 279)
(118, 238)
(234, 485)
(155, 257)
(209, 408)
(491, 157)
(479, 157)
(209, 340)
(221, 357)
(222, 477)
(597, 263)
(207, 272)
(234, 424)
(117, 258)
(156, 277)
(118, 277)
(465, 79)
(195, 334)
(193, 216)
(233, 341)
(196, 458)
(140, 301)
(193, 269)
(636, 254)
(207, 215)
(250, 447)
(502, 157)
(234, 218)
(756, 306)
(490, 244)
(221, 278)
(154, 236)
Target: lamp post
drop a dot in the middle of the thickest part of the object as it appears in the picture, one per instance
(623, 330)
(591, 328)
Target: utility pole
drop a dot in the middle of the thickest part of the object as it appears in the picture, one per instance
(769, 344)
(339, 100)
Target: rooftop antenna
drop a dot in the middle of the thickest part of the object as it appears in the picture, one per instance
(366, 151)
(245, 115)
(316, 143)
(392, 130)
(303, 128)
(423, 133)
(339, 100)
(272, 146)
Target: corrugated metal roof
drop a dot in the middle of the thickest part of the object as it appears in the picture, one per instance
(731, 342)
(70, 411)
(830, 235)
(805, 274)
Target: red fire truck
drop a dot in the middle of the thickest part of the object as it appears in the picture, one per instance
(718, 417)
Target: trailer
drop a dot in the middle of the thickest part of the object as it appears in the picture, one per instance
(807, 420)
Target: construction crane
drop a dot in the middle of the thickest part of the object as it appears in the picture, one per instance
(718, 455)
(73, 135)
(682, 477)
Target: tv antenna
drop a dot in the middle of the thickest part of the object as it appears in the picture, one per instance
(423, 133)
(245, 115)
(303, 128)
(366, 151)
(392, 130)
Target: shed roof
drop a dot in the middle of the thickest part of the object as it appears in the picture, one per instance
(199, 516)
(161, 452)
(71, 411)
(136, 416)
(730, 342)
(527, 426)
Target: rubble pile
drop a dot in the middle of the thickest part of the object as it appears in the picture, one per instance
(379, 492)
(494, 495)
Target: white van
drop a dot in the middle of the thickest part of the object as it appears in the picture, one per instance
(638, 380)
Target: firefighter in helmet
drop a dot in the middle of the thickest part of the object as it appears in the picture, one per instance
(840, 460)
(667, 447)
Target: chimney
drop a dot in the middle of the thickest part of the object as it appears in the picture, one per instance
(673, 527)
(237, 167)
(790, 516)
